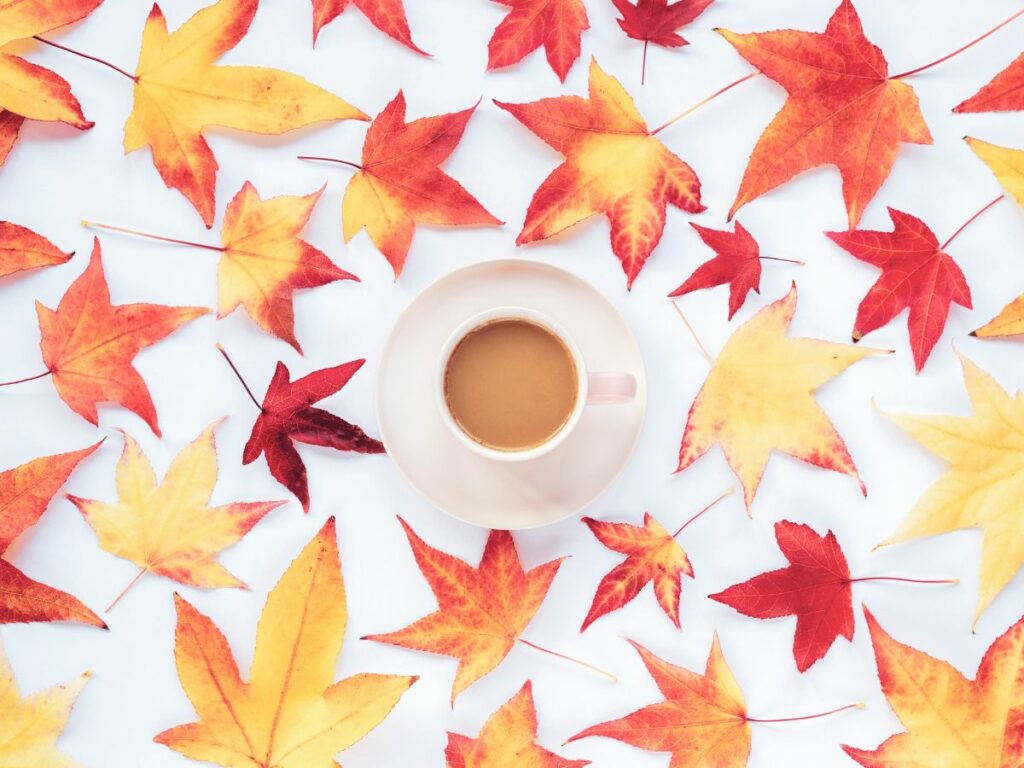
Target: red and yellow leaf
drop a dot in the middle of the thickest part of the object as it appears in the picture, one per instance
(1003, 93)
(386, 15)
(10, 125)
(21, 249)
(557, 25)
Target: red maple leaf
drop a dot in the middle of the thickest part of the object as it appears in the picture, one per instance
(1003, 93)
(916, 274)
(555, 24)
(287, 414)
(737, 262)
(655, 21)
(815, 587)
(386, 15)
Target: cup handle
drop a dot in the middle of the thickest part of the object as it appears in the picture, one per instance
(610, 388)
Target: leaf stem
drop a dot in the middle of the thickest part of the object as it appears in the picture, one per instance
(27, 378)
(905, 580)
(239, 375)
(696, 338)
(803, 717)
(682, 528)
(702, 102)
(147, 235)
(556, 654)
(788, 261)
(132, 583)
(959, 50)
(969, 222)
(330, 160)
(643, 65)
(105, 63)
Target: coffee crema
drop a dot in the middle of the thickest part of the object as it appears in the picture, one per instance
(510, 384)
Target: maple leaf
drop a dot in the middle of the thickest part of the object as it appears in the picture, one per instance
(481, 611)
(656, 21)
(31, 726)
(1003, 93)
(737, 262)
(25, 493)
(88, 344)
(843, 110)
(613, 165)
(28, 90)
(399, 183)
(508, 738)
(759, 397)
(179, 92)
(652, 555)
(386, 15)
(287, 414)
(985, 481)
(949, 720)
(21, 249)
(558, 25)
(289, 714)
(917, 274)
(10, 125)
(1006, 163)
(168, 528)
(1009, 322)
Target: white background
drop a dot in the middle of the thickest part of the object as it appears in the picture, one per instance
(56, 176)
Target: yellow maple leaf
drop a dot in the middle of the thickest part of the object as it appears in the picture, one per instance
(759, 397)
(985, 482)
(289, 714)
(1006, 163)
(167, 528)
(30, 727)
(179, 91)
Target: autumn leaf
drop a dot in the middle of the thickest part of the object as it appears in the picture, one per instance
(613, 165)
(289, 714)
(1009, 322)
(168, 528)
(843, 110)
(657, 21)
(88, 344)
(558, 25)
(507, 739)
(985, 481)
(399, 182)
(31, 726)
(1003, 93)
(949, 720)
(917, 274)
(481, 611)
(759, 398)
(287, 414)
(10, 125)
(25, 493)
(21, 249)
(386, 15)
(1007, 164)
(179, 92)
(737, 262)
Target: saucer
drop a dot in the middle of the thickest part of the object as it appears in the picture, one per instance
(506, 495)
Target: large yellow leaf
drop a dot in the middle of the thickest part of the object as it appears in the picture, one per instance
(289, 714)
(984, 486)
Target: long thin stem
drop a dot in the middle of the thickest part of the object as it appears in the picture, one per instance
(968, 222)
(696, 338)
(803, 717)
(105, 63)
(682, 528)
(702, 102)
(562, 656)
(643, 65)
(330, 160)
(788, 261)
(239, 375)
(132, 583)
(27, 378)
(959, 50)
(905, 580)
(147, 235)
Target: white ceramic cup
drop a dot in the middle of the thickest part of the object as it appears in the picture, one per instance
(592, 388)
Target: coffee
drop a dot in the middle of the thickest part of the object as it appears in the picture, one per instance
(510, 384)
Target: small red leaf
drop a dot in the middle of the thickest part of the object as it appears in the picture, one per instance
(737, 262)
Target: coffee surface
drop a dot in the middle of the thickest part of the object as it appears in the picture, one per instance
(510, 384)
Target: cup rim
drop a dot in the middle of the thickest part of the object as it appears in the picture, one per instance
(473, 322)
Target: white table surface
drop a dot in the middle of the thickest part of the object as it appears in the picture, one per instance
(56, 176)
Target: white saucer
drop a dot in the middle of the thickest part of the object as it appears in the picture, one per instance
(507, 495)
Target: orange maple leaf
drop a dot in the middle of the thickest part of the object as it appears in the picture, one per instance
(88, 344)
(557, 25)
(613, 165)
(10, 124)
(843, 110)
(386, 15)
(399, 183)
(508, 738)
(21, 249)
(482, 611)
